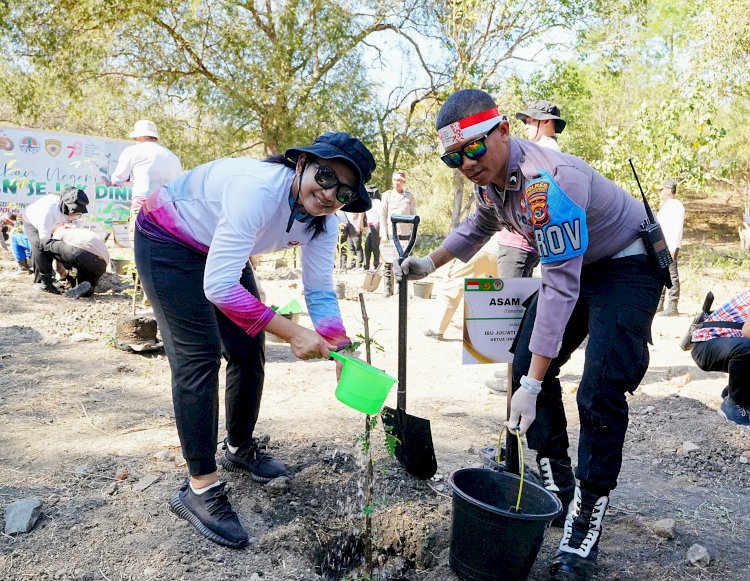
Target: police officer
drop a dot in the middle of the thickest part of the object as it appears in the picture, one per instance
(597, 280)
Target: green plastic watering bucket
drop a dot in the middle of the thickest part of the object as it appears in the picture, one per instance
(362, 386)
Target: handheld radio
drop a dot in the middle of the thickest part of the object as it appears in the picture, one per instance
(653, 237)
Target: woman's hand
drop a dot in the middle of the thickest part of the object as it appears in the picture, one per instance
(307, 344)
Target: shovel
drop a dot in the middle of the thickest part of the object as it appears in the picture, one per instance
(414, 451)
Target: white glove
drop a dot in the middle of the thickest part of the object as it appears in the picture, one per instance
(413, 268)
(523, 405)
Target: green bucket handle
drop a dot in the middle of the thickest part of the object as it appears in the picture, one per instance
(337, 355)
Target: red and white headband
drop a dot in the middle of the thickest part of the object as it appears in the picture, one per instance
(472, 126)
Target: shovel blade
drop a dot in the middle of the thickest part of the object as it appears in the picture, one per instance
(415, 451)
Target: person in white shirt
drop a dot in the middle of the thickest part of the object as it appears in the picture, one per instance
(671, 218)
(40, 219)
(542, 120)
(146, 166)
(83, 250)
(372, 241)
(193, 239)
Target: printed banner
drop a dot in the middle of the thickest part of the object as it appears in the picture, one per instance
(35, 163)
(492, 314)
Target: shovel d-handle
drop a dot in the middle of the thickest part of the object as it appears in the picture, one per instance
(397, 219)
(403, 289)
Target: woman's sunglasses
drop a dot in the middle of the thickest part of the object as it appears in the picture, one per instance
(327, 179)
(472, 150)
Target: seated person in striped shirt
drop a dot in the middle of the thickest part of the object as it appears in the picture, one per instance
(728, 350)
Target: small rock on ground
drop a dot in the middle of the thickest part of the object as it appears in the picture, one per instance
(277, 486)
(145, 482)
(698, 556)
(21, 515)
(688, 447)
(665, 528)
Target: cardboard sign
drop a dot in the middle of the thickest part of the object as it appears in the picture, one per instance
(493, 309)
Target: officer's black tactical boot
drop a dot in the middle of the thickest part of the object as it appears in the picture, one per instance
(575, 559)
(558, 478)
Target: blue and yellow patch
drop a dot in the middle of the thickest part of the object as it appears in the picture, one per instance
(559, 223)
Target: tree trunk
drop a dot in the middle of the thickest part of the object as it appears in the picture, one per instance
(458, 198)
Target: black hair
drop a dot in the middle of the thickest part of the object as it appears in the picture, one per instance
(462, 104)
(318, 224)
(373, 191)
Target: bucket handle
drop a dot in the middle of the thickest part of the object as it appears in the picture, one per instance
(503, 427)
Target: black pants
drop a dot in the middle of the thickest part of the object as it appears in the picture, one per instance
(730, 355)
(515, 262)
(89, 266)
(196, 334)
(372, 247)
(41, 258)
(616, 305)
(356, 256)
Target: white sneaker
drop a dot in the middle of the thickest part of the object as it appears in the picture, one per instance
(435, 334)
(497, 385)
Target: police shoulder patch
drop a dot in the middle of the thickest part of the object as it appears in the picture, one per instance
(536, 198)
(559, 223)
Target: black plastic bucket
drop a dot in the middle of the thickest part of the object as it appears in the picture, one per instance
(490, 540)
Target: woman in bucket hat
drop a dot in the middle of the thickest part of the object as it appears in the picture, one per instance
(543, 121)
(194, 236)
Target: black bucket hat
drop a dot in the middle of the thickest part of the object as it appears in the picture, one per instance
(349, 149)
(543, 110)
(74, 200)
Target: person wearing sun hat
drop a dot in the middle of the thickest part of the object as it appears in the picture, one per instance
(146, 166)
(542, 120)
(193, 239)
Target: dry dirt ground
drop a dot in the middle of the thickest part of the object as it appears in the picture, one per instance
(73, 414)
